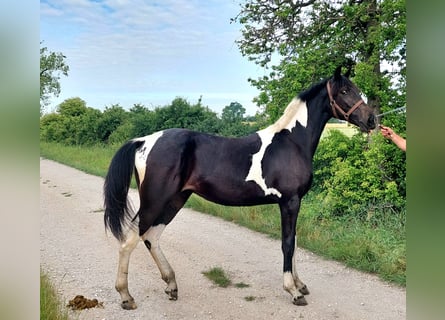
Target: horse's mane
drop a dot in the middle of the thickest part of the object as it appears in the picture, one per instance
(315, 89)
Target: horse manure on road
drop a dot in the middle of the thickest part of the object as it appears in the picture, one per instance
(80, 302)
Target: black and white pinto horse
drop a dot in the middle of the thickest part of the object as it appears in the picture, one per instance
(273, 165)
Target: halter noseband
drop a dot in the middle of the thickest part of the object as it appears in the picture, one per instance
(334, 105)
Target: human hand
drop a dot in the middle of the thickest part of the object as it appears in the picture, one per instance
(386, 131)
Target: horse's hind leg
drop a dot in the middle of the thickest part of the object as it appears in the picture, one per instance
(151, 239)
(121, 286)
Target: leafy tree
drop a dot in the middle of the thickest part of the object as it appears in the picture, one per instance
(72, 123)
(111, 119)
(233, 121)
(138, 109)
(233, 112)
(122, 133)
(87, 129)
(142, 120)
(71, 111)
(72, 107)
(52, 128)
(52, 66)
(181, 114)
(312, 37)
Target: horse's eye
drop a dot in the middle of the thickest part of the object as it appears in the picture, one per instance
(344, 92)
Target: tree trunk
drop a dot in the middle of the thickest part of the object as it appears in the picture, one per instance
(372, 54)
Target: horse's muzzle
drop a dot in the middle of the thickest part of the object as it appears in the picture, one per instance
(371, 122)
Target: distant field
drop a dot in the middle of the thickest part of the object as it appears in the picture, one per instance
(346, 128)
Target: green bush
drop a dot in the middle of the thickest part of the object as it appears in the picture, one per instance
(111, 119)
(122, 133)
(52, 128)
(359, 177)
(74, 123)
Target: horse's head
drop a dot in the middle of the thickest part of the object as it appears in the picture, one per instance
(347, 103)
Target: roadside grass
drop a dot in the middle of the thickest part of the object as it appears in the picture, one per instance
(376, 248)
(51, 307)
(264, 219)
(379, 250)
(93, 159)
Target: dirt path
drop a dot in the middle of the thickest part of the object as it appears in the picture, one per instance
(81, 259)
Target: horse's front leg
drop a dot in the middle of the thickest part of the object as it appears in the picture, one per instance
(291, 282)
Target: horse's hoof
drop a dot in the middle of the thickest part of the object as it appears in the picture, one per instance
(304, 290)
(172, 294)
(128, 305)
(299, 301)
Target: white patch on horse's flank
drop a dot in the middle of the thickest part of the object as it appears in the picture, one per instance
(295, 111)
(143, 152)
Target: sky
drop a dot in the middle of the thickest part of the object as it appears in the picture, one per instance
(149, 52)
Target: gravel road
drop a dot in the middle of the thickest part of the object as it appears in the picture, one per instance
(81, 259)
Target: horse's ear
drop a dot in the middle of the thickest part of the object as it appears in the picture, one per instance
(348, 72)
(349, 63)
(337, 73)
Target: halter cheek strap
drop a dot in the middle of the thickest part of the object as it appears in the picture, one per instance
(335, 106)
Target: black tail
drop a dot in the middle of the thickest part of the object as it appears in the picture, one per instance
(117, 182)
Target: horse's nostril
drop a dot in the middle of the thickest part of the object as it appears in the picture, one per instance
(371, 121)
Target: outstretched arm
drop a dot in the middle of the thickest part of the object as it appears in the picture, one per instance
(394, 137)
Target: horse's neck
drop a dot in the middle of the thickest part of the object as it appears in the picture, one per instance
(295, 111)
(313, 120)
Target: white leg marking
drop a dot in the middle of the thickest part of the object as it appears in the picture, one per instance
(125, 250)
(292, 284)
(297, 280)
(295, 111)
(289, 284)
(168, 275)
(144, 151)
(153, 234)
(289, 278)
